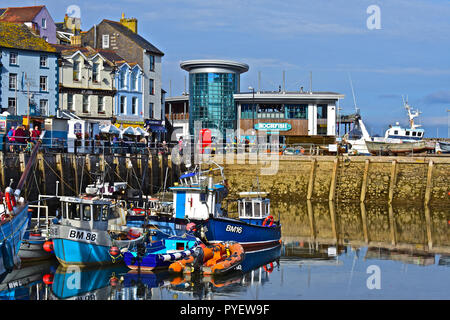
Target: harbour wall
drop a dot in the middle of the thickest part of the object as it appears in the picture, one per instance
(286, 178)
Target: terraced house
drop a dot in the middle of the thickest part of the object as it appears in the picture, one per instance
(28, 72)
(87, 82)
(122, 37)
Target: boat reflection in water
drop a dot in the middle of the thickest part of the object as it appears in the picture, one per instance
(75, 283)
(28, 282)
(255, 268)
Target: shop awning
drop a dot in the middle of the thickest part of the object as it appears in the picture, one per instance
(158, 129)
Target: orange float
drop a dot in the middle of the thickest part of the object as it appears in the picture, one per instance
(217, 259)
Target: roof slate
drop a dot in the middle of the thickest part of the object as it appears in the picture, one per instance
(20, 14)
(139, 40)
(19, 36)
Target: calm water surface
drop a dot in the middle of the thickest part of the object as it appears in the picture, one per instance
(329, 251)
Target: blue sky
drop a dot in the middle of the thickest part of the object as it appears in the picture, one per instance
(407, 56)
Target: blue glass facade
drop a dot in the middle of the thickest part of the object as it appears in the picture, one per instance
(211, 100)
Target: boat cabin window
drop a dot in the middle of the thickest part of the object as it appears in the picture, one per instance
(257, 209)
(407, 133)
(73, 211)
(202, 197)
(395, 131)
(105, 212)
(87, 211)
(97, 212)
(414, 133)
(248, 209)
(419, 134)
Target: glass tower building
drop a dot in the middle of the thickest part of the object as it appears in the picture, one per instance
(212, 84)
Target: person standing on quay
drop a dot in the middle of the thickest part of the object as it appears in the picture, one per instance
(11, 139)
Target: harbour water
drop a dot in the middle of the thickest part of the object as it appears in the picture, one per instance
(329, 251)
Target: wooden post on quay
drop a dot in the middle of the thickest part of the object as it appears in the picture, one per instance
(150, 173)
(116, 164)
(364, 181)
(102, 162)
(429, 182)
(393, 180)
(59, 167)
(161, 170)
(333, 180)
(22, 162)
(170, 174)
(41, 164)
(2, 164)
(311, 179)
(75, 170)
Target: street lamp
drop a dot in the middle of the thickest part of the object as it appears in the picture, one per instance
(253, 105)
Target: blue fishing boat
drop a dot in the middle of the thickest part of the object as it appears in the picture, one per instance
(14, 219)
(198, 199)
(92, 231)
(160, 254)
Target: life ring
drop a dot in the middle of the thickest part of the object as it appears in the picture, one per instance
(8, 201)
(267, 219)
(270, 269)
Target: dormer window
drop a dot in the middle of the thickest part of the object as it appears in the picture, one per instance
(95, 72)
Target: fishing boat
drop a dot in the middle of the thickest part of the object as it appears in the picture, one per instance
(14, 219)
(395, 148)
(92, 231)
(214, 259)
(443, 147)
(198, 199)
(160, 254)
(356, 138)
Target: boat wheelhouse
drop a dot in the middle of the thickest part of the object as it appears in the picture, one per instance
(89, 227)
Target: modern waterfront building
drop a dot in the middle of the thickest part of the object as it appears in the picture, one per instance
(28, 72)
(37, 18)
(214, 99)
(212, 84)
(297, 117)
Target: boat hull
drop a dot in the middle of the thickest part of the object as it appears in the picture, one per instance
(74, 246)
(11, 237)
(250, 236)
(386, 148)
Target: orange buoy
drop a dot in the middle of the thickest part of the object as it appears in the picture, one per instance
(114, 251)
(48, 278)
(48, 246)
(266, 220)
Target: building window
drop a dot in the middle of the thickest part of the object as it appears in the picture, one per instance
(134, 82)
(70, 102)
(43, 107)
(105, 41)
(134, 105)
(76, 71)
(150, 110)
(43, 83)
(101, 104)
(152, 63)
(296, 111)
(12, 105)
(122, 104)
(123, 79)
(13, 58)
(44, 23)
(95, 75)
(152, 86)
(12, 81)
(322, 111)
(85, 104)
(43, 62)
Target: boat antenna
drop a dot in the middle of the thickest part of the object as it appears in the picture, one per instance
(353, 92)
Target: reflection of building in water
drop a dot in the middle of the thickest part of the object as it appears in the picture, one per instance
(405, 256)
(444, 260)
(312, 250)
